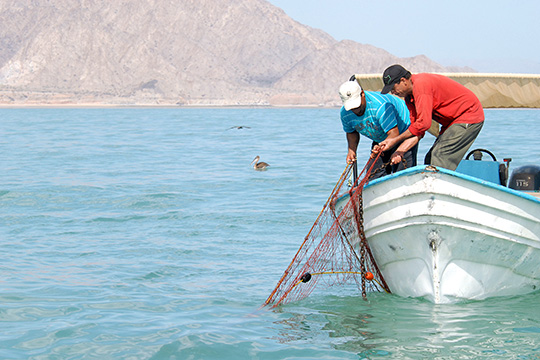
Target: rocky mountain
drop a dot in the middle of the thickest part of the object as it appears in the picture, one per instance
(174, 52)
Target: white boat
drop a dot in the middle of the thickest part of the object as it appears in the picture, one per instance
(444, 235)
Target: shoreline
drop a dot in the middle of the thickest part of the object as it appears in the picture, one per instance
(168, 106)
(157, 106)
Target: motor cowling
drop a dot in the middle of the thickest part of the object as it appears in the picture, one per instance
(525, 178)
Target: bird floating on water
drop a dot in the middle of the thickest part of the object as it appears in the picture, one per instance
(259, 165)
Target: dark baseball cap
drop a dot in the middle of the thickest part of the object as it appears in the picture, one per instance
(392, 75)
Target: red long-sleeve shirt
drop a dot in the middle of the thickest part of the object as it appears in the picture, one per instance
(442, 99)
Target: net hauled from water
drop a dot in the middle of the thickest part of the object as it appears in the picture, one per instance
(335, 250)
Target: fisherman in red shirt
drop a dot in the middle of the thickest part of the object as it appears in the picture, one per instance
(437, 97)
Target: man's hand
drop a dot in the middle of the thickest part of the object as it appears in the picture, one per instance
(351, 156)
(396, 158)
(388, 143)
(375, 150)
(352, 141)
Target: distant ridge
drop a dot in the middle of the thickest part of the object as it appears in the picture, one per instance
(169, 52)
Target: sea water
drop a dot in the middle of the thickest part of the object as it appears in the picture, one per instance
(146, 234)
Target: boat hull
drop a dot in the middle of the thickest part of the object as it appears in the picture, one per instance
(445, 236)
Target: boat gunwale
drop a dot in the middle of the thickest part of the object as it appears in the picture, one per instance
(432, 169)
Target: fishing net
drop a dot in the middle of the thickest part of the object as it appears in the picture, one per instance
(335, 250)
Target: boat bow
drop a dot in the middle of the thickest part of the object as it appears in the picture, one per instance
(443, 235)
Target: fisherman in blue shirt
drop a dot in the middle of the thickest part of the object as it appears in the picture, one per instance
(377, 117)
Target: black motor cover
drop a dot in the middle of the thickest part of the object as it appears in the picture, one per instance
(525, 178)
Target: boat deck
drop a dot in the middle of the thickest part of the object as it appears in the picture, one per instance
(534, 193)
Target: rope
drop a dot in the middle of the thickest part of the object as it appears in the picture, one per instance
(364, 275)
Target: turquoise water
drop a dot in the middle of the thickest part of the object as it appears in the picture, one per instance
(145, 234)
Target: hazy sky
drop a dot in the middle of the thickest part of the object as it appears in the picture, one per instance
(487, 35)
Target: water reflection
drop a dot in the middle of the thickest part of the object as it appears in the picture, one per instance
(387, 326)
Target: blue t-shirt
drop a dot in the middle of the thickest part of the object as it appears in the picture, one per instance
(383, 112)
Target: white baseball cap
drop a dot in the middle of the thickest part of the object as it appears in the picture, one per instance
(350, 92)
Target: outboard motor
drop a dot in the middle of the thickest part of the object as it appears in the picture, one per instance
(525, 178)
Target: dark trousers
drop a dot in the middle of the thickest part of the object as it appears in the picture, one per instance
(380, 169)
(451, 146)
